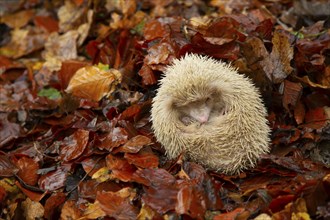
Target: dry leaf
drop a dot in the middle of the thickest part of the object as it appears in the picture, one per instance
(277, 65)
(32, 210)
(94, 211)
(93, 83)
(70, 210)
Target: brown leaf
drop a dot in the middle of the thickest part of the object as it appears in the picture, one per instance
(28, 170)
(73, 146)
(292, 93)
(316, 118)
(34, 196)
(53, 180)
(23, 42)
(120, 168)
(189, 202)
(299, 112)
(277, 66)
(306, 80)
(32, 210)
(70, 210)
(88, 189)
(18, 19)
(118, 204)
(160, 191)
(91, 165)
(52, 204)
(230, 215)
(7, 168)
(93, 83)
(148, 76)
(143, 159)
(68, 69)
(114, 139)
(154, 29)
(47, 22)
(135, 144)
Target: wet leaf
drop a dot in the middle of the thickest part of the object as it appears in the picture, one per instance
(28, 170)
(118, 204)
(120, 168)
(7, 168)
(73, 146)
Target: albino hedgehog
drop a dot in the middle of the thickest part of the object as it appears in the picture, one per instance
(206, 110)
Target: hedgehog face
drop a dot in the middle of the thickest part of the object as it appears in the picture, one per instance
(201, 108)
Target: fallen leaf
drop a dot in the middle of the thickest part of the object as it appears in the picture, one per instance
(73, 146)
(291, 94)
(120, 168)
(93, 83)
(28, 170)
(7, 168)
(277, 66)
(53, 203)
(118, 204)
(70, 210)
(32, 210)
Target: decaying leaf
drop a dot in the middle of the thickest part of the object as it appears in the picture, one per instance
(93, 83)
(32, 210)
(277, 66)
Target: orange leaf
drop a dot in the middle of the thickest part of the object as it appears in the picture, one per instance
(93, 83)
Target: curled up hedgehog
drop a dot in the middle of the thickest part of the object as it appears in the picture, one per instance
(212, 114)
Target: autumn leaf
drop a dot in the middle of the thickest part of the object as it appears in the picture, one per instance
(277, 66)
(93, 83)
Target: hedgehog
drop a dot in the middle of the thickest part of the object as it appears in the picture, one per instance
(208, 112)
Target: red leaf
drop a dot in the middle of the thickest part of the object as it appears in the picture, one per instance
(233, 215)
(130, 112)
(53, 180)
(91, 165)
(115, 138)
(160, 191)
(316, 118)
(299, 112)
(279, 203)
(28, 170)
(118, 204)
(143, 159)
(74, 145)
(7, 168)
(35, 196)
(292, 93)
(47, 22)
(52, 204)
(88, 189)
(190, 201)
(148, 76)
(68, 69)
(135, 144)
(120, 168)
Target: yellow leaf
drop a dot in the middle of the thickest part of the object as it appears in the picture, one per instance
(91, 82)
(102, 175)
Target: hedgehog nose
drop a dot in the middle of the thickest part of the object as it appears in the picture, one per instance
(203, 118)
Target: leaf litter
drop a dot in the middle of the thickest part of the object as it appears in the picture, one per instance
(75, 136)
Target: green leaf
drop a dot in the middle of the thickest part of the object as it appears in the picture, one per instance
(102, 66)
(50, 93)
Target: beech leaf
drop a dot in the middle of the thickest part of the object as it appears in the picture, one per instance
(93, 83)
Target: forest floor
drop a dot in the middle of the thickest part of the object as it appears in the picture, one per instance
(76, 82)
